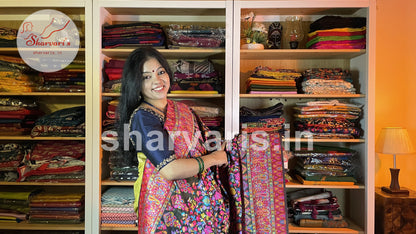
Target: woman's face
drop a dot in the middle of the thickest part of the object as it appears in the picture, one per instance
(155, 84)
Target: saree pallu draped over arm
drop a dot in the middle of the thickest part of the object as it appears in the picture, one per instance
(256, 181)
(192, 205)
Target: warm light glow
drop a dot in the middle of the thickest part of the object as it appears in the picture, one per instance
(394, 140)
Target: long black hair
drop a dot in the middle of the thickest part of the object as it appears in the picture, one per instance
(131, 86)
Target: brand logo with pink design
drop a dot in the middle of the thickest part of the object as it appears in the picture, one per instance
(48, 40)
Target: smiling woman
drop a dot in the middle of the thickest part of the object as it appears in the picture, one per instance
(176, 186)
(155, 83)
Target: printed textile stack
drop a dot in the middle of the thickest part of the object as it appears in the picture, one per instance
(14, 204)
(133, 35)
(272, 81)
(16, 76)
(211, 115)
(113, 71)
(122, 168)
(327, 81)
(327, 119)
(8, 37)
(336, 32)
(17, 116)
(195, 36)
(11, 156)
(195, 77)
(253, 115)
(109, 120)
(315, 208)
(68, 122)
(69, 79)
(324, 165)
(117, 208)
(57, 207)
(52, 161)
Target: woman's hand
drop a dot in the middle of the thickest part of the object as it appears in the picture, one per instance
(184, 168)
(219, 157)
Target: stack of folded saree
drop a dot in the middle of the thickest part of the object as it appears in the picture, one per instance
(256, 179)
(133, 35)
(122, 167)
(315, 208)
(272, 81)
(69, 79)
(57, 208)
(8, 37)
(211, 115)
(195, 36)
(11, 156)
(68, 122)
(117, 207)
(324, 165)
(253, 115)
(14, 204)
(52, 161)
(113, 71)
(327, 81)
(17, 115)
(109, 120)
(336, 32)
(196, 77)
(327, 119)
(16, 76)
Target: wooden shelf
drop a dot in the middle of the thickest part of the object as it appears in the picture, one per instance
(297, 184)
(29, 138)
(302, 96)
(353, 228)
(293, 139)
(170, 95)
(292, 229)
(118, 229)
(38, 226)
(40, 184)
(41, 94)
(15, 52)
(191, 53)
(288, 54)
(117, 183)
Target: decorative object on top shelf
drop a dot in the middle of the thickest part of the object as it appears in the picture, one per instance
(253, 35)
(394, 140)
(274, 36)
(294, 30)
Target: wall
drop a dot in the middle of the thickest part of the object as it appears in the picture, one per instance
(396, 83)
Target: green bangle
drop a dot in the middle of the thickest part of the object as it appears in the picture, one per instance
(202, 167)
(200, 164)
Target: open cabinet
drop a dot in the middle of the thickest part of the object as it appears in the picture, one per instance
(235, 66)
(211, 15)
(356, 201)
(12, 14)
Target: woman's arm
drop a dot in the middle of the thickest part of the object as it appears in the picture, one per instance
(188, 167)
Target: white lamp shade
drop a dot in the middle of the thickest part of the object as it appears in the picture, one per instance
(394, 140)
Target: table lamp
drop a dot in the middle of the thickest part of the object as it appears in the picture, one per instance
(394, 140)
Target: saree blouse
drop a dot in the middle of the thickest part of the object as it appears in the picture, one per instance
(147, 123)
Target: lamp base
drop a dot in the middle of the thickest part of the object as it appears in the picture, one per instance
(395, 191)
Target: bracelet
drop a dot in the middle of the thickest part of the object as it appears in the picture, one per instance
(200, 164)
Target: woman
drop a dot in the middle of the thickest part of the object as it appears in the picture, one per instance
(176, 191)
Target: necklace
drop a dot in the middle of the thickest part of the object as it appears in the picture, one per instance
(161, 111)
